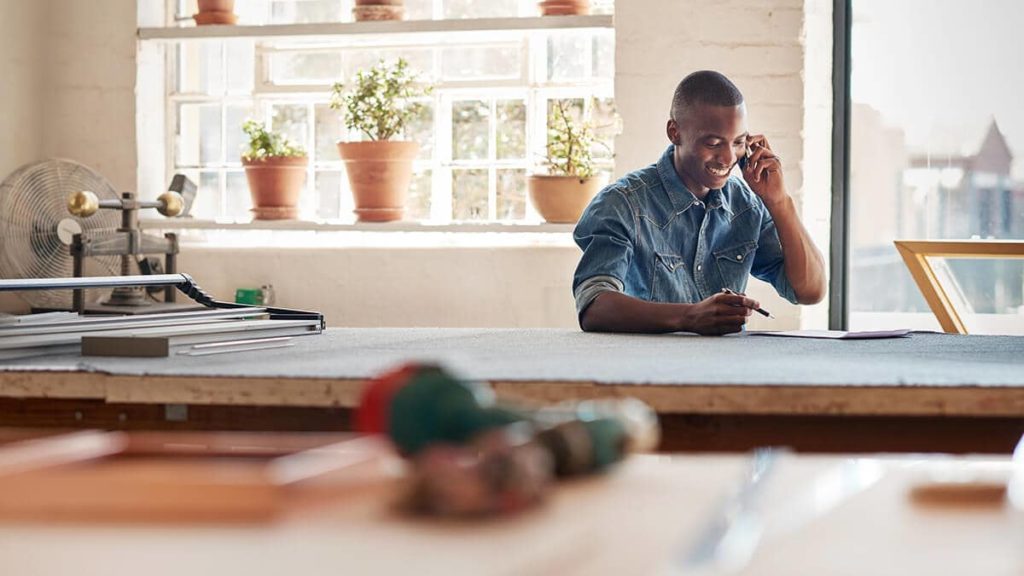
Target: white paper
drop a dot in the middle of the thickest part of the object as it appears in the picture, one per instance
(833, 334)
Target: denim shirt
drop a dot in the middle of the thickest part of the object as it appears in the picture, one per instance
(648, 236)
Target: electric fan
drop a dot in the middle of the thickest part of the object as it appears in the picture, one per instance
(36, 229)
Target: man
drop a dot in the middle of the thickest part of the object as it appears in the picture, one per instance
(661, 244)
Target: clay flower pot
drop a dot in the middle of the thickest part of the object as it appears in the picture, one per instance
(561, 199)
(379, 174)
(275, 184)
(215, 12)
(378, 10)
(564, 7)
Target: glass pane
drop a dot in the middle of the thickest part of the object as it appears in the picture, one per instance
(303, 11)
(421, 60)
(199, 68)
(606, 125)
(470, 129)
(327, 133)
(328, 187)
(511, 195)
(934, 152)
(511, 129)
(567, 56)
(237, 142)
(305, 67)
(208, 195)
(292, 120)
(198, 136)
(481, 62)
(986, 293)
(252, 12)
(480, 9)
(421, 130)
(419, 9)
(417, 206)
(240, 66)
(469, 194)
(604, 54)
(239, 202)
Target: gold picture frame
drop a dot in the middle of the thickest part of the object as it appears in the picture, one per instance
(916, 253)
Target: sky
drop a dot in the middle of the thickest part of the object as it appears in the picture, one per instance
(942, 70)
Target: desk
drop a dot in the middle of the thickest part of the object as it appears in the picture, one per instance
(926, 392)
(629, 522)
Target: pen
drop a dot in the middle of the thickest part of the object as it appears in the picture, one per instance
(760, 311)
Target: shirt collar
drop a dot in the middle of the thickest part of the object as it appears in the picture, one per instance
(681, 196)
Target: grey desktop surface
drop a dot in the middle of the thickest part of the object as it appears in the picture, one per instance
(552, 355)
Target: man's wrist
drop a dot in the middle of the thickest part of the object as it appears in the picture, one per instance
(682, 321)
(784, 202)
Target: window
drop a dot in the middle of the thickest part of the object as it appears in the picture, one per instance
(936, 152)
(483, 131)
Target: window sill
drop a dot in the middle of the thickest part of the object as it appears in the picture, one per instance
(327, 29)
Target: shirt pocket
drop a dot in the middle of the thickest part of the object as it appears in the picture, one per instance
(669, 283)
(734, 264)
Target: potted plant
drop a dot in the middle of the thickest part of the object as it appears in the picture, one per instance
(215, 12)
(564, 7)
(276, 170)
(378, 10)
(561, 195)
(379, 105)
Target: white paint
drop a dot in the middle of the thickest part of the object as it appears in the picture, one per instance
(88, 91)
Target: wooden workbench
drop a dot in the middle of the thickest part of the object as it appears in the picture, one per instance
(926, 392)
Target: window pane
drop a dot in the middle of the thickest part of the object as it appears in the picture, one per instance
(305, 67)
(199, 68)
(302, 11)
(240, 65)
(199, 137)
(567, 56)
(511, 129)
(470, 129)
(327, 133)
(208, 195)
(604, 54)
(934, 152)
(239, 201)
(419, 9)
(417, 205)
(605, 123)
(480, 9)
(237, 142)
(511, 195)
(421, 130)
(421, 60)
(328, 187)
(291, 120)
(469, 194)
(481, 62)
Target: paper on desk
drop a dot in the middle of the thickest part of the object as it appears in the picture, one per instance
(833, 334)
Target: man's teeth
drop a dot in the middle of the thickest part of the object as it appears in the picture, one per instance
(718, 171)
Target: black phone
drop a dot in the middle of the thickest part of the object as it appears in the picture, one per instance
(743, 159)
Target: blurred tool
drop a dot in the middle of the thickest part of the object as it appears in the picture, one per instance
(473, 457)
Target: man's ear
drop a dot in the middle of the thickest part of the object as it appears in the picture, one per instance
(672, 130)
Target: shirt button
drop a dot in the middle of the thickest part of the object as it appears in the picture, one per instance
(739, 256)
(698, 267)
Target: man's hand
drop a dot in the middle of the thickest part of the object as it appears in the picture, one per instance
(720, 314)
(764, 171)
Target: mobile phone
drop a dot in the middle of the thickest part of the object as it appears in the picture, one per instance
(743, 159)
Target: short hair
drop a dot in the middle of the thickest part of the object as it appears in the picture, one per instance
(704, 87)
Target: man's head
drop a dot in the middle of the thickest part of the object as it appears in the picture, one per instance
(708, 126)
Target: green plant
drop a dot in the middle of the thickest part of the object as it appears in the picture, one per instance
(570, 144)
(380, 103)
(265, 143)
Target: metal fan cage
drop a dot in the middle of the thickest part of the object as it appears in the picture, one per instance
(36, 228)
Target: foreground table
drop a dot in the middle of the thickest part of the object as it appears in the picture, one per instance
(632, 521)
(926, 392)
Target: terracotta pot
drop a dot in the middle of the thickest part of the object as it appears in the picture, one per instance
(275, 185)
(564, 7)
(215, 12)
(377, 12)
(379, 174)
(561, 199)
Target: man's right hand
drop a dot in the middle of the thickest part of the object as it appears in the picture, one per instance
(719, 314)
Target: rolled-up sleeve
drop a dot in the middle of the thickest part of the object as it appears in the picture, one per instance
(606, 233)
(769, 261)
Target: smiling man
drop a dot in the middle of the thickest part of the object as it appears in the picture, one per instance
(661, 244)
